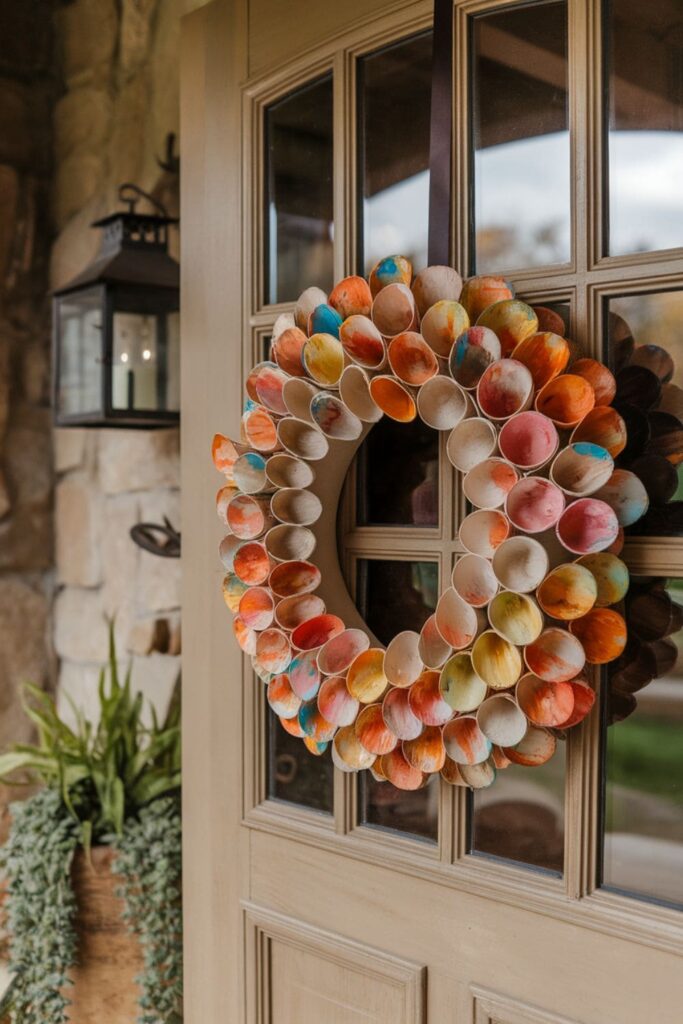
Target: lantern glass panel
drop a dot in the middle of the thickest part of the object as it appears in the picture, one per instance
(145, 352)
(80, 320)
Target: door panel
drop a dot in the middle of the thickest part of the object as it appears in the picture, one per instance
(311, 895)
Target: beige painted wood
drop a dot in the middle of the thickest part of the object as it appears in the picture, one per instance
(292, 916)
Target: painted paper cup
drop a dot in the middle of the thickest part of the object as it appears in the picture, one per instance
(257, 608)
(482, 532)
(456, 621)
(474, 580)
(426, 702)
(512, 320)
(233, 589)
(290, 612)
(287, 349)
(547, 705)
(464, 741)
(249, 473)
(291, 726)
(550, 320)
(461, 687)
(434, 284)
(501, 720)
(373, 732)
(604, 426)
(273, 652)
(366, 679)
(399, 717)
(363, 343)
(225, 453)
(390, 270)
(478, 776)
(323, 359)
(284, 470)
(227, 549)
(470, 442)
(496, 661)
(505, 389)
(296, 506)
(442, 324)
(426, 752)
(473, 352)
(302, 440)
(252, 563)
(304, 675)
(245, 636)
(611, 576)
(566, 400)
(269, 383)
(402, 662)
(250, 382)
(535, 749)
(600, 378)
(556, 656)
(400, 773)
(451, 773)
(306, 303)
(516, 617)
(534, 505)
(603, 634)
(584, 699)
(290, 579)
(394, 311)
(432, 648)
(337, 655)
(581, 468)
(528, 440)
(351, 297)
(354, 389)
(478, 293)
(335, 703)
(297, 395)
(348, 753)
(393, 398)
(324, 320)
(411, 359)
(487, 485)
(281, 697)
(544, 354)
(568, 592)
(334, 418)
(316, 632)
(260, 430)
(248, 517)
(520, 564)
(442, 404)
(625, 494)
(586, 526)
(287, 543)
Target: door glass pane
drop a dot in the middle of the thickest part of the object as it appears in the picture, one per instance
(294, 774)
(298, 201)
(645, 141)
(393, 596)
(643, 810)
(394, 91)
(398, 475)
(415, 813)
(521, 816)
(645, 348)
(521, 138)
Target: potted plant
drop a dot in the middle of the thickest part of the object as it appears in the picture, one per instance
(92, 864)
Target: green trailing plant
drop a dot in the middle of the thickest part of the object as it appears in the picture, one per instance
(116, 783)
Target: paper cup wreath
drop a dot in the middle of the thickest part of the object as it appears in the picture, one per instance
(500, 666)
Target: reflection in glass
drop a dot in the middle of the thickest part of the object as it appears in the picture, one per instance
(80, 353)
(645, 64)
(521, 138)
(652, 411)
(294, 774)
(521, 817)
(394, 92)
(415, 813)
(298, 201)
(398, 475)
(393, 596)
(643, 809)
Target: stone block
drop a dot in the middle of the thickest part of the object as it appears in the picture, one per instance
(88, 34)
(5, 381)
(138, 460)
(28, 458)
(24, 616)
(82, 118)
(120, 560)
(15, 122)
(77, 244)
(69, 447)
(126, 148)
(155, 677)
(9, 202)
(158, 584)
(78, 526)
(160, 503)
(79, 682)
(36, 372)
(77, 180)
(5, 502)
(136, 22)
(26, 540)
(81, 631)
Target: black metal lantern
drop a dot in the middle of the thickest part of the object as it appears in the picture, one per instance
(117, 330)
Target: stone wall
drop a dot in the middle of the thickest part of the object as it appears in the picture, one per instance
(118, 68)
(27, 92)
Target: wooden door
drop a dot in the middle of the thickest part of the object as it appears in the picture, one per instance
(554, 896)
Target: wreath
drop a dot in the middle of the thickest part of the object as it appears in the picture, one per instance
(500, 670)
